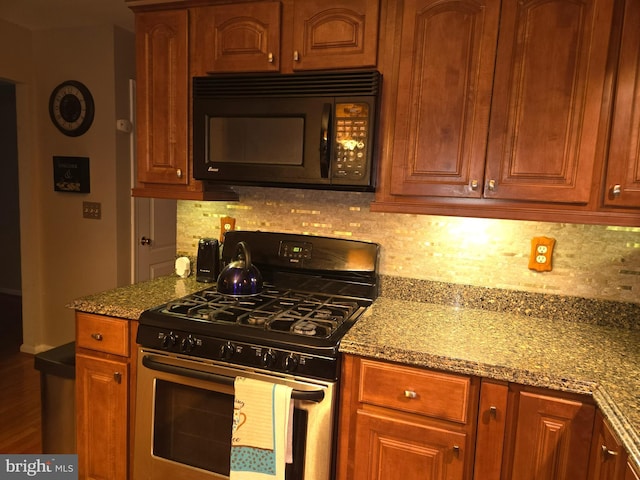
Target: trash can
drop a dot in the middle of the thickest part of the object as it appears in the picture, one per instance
(57, 392)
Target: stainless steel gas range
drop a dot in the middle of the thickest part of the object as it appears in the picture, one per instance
(193, 348)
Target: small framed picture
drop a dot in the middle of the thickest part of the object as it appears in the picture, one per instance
(71, 174)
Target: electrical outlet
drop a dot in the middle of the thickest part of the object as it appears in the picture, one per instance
(92, 210)
(227, 224)
(541, 253)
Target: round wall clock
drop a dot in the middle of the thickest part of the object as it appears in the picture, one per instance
(71, 108)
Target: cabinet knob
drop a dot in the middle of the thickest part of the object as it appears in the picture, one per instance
(474, 184)
(145, 241)
(616, 190)
(270, 57)
(456, 450)
(493, 411)
(179, 173)
(296, 56)
(97, 336)
(117, 376)
(492, 185)
(606, 453)
(410, 394)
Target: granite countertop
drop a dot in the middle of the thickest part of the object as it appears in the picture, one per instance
(547, 341)
(130, 301)
(591, 359)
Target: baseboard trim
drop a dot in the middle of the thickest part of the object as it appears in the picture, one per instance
(34, 349)
(9, 291)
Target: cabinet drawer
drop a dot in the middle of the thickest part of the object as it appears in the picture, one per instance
(415, 390)
(104, 334)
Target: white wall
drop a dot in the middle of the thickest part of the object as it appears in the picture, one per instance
(65, 256)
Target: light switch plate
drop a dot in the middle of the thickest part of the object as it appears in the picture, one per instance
(541, 253)
(92, 210)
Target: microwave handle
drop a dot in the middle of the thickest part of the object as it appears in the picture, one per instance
(147, 361)
(325, 136)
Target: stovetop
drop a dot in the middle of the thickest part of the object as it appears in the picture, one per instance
(274, 309)
(294, 325)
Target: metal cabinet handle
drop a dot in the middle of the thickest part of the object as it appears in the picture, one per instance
(179, 173)
(270, 57)
(410, 394)
(296, 56)
(117, 376)
(492, 185)
(145, 241)
(97, 336)
(616, 190)
(456, 450)
(493, 411)
(608, 453)
(474, 184)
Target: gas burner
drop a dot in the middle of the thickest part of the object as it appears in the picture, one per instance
(304, 327)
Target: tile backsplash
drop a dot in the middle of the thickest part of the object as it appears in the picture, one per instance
(588, 260)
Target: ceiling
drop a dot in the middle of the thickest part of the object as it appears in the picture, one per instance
(45, 14)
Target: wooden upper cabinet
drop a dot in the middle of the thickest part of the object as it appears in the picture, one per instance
(447, 55)
(334, 34)
(272, 36)
(236, 38)
(162, 97)
(547, 100)
(623, 169)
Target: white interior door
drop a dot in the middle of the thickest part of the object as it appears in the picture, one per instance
(155, 249)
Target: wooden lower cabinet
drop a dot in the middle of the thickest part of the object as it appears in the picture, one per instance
(390, 447)
(608, 458)
(490, 437)
(102, 418)
(548, 435)
(405, 423)
(105, 400)
(630, 473)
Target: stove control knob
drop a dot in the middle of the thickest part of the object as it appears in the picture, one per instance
(169, 340)
(188, 344)
(268, 359)
(290, 362)
(226, 351)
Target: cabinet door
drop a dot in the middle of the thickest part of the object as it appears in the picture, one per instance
(623, 171)
(335, 34)
(552, 439)
(162, 97)
(549, 82)
(102, 406)
(447, 56)
(236, 38)
(393, 449)
(608, 457)
(492, 414)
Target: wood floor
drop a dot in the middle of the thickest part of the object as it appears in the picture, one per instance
(20, 427)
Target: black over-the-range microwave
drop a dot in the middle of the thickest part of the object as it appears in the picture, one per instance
(302, 130)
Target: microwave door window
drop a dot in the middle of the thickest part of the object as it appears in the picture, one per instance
(256, 140)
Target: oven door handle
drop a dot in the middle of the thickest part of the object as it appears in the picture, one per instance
(147, 361)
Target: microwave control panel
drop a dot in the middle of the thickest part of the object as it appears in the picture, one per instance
(352, 140)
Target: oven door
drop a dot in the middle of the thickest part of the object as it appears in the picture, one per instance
(184, 413)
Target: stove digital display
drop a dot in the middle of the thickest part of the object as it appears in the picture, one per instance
(295, 251)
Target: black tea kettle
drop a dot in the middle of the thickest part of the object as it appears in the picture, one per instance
(240, 277)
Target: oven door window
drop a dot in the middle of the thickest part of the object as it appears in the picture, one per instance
(192, 426)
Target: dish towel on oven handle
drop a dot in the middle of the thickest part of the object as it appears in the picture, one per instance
(261, 440)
